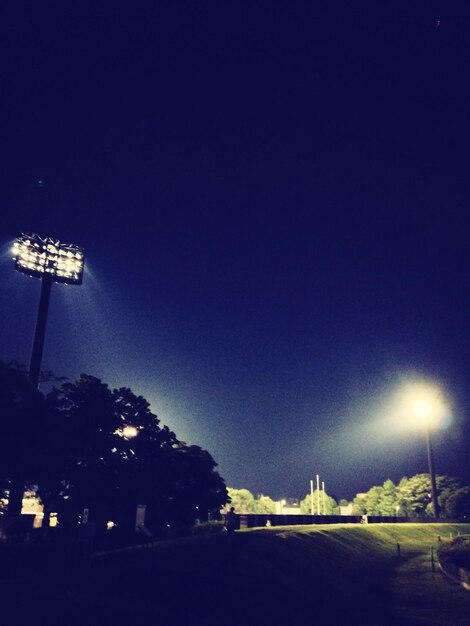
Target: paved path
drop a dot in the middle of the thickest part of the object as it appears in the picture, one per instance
(421, 596)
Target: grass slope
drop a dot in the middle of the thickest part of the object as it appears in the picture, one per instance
(305, 575)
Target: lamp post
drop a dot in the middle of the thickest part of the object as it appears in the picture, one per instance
(53, 262)
(422, 409)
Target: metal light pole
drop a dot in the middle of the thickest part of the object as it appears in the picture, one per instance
(432, 472)
(422, 409)
(53, 262)
(40, 332)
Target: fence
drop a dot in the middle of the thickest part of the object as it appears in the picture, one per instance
(255, 520)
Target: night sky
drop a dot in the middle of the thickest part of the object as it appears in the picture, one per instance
(273, 200)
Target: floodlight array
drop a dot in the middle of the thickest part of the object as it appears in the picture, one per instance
(40, 257)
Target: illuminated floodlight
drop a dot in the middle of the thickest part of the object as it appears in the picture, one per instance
(425, 405)
(47, 257)
(422, 409)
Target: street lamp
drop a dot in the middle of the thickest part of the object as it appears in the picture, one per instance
(53, 262)
(423, 409)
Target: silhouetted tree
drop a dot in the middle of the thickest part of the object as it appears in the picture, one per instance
(110, 471)
(27, 433)
(196, 488)
(447, 486)
(458, 503)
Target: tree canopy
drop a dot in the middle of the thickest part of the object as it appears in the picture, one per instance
(411, 497)
(244, 501)
(86, 445)
(328, 505)
(28, 428)
(458, 503)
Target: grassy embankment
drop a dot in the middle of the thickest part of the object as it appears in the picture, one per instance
(308, 575)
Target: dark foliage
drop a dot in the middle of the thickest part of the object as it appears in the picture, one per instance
(29, 430)
(73, 444)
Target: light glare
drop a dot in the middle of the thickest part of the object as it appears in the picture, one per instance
(423, 404)
(422, 409)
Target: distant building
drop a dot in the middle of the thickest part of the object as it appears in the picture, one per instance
(346, 509)
(32, 506)
(288, 506)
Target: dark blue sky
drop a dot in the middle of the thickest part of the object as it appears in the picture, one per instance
(273, 201)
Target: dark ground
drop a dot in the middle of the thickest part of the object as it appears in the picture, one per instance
(249, 578)
(287, 575)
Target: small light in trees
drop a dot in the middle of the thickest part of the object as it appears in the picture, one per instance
(128, 431)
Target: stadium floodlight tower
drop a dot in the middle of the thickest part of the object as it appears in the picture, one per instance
(53, 262)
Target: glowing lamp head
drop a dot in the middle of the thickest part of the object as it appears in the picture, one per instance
(426, 405)
(38, 256)
(422, 409)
